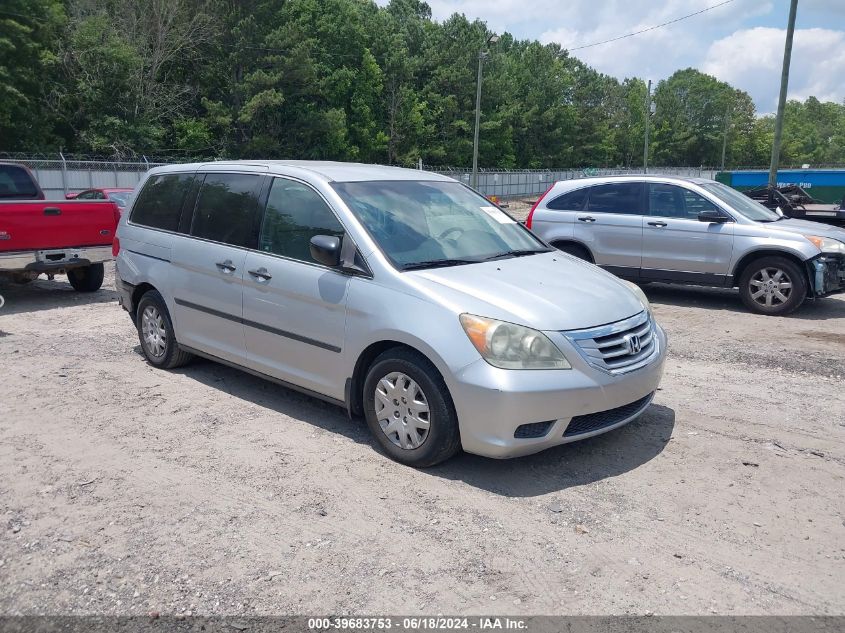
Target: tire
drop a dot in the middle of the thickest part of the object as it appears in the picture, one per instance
(155, 331)
(772, 285)
(410, 373)
(575, 250)
(87, 278)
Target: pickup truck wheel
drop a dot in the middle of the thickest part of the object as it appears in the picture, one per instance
(409, 410)
(773, 286)
(155, 331)
(87, 278)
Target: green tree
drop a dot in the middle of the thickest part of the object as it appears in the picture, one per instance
(28, 32)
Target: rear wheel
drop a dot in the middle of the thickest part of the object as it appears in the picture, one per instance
(575, 250)
(409, 410)
(773, 286)
(155, 331)
(86, 278)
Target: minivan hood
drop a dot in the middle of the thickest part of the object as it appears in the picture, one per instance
(547, 291)
(805, 227)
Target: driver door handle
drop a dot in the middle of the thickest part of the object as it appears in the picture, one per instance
(586, 218)
(226, 266)
(658, 223)
(261, 274)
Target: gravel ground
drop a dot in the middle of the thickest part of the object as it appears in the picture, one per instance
(126, 490)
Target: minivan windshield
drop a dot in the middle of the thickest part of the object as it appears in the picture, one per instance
(741, 203)
(429, 224)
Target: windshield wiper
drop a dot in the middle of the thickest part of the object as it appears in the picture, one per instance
(523, 253)
(438, 263)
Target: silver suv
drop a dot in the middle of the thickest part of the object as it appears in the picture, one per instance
(693, 231)
(397, 294)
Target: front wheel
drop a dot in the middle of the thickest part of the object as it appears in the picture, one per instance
(86, 278)
(409, 410)
(772, 285)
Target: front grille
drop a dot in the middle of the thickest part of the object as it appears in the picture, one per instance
(590, 422)
(618, 347)
(536, 429)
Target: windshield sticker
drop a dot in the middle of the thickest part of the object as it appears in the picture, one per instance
(497, 214)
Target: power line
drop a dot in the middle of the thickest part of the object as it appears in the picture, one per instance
(652, 28)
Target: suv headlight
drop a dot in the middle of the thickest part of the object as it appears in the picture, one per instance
(639, 292)
(827, 245)
(510, 346)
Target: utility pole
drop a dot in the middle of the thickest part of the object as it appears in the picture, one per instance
(725, 134)
(784, 84)
(647, 122)
(482, 55)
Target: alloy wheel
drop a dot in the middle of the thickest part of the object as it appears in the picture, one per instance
(770, 286)
(154, 333)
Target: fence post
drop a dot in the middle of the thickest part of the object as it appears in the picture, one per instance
(146, 162)
(64, 172)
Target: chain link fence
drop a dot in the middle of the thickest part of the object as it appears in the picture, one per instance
(59, 174)
(518, 183)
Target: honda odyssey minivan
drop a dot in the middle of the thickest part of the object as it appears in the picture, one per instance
(400, 295)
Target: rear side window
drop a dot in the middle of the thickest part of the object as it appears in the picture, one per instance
(159, 203)
(227, 209)
(16, 182)
(572, 201)
(295, 213)
(621, 197)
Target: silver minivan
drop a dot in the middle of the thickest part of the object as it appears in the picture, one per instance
(401, 295)
(693, 231)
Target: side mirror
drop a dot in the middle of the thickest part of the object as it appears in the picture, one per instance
(325, 249)
(713, 216)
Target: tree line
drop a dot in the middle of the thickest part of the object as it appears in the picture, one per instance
(349, 80)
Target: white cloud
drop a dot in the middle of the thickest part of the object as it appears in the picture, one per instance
(736, 42)
(751, 59)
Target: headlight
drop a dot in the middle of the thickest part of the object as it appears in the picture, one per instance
(639, 292)
(510, 346)
(827, 245)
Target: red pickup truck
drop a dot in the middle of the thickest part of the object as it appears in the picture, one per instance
(51, 237)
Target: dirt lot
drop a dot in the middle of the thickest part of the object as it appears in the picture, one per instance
(126, 490)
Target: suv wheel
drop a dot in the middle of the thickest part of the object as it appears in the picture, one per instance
(86, 278)
(773, 286)
(575, 250)
(155, 331)
(409, 410)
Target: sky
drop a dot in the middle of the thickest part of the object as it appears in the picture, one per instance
(740, 42)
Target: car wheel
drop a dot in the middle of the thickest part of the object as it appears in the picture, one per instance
(773, 286)
(409, 410)
(86, 278)
(155, 331)
(575, 250)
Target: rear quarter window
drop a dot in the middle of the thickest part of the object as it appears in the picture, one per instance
(572, 201)
(159, 204)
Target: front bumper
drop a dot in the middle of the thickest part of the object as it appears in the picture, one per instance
(493, 403)
(54, 260)
(828, 274)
